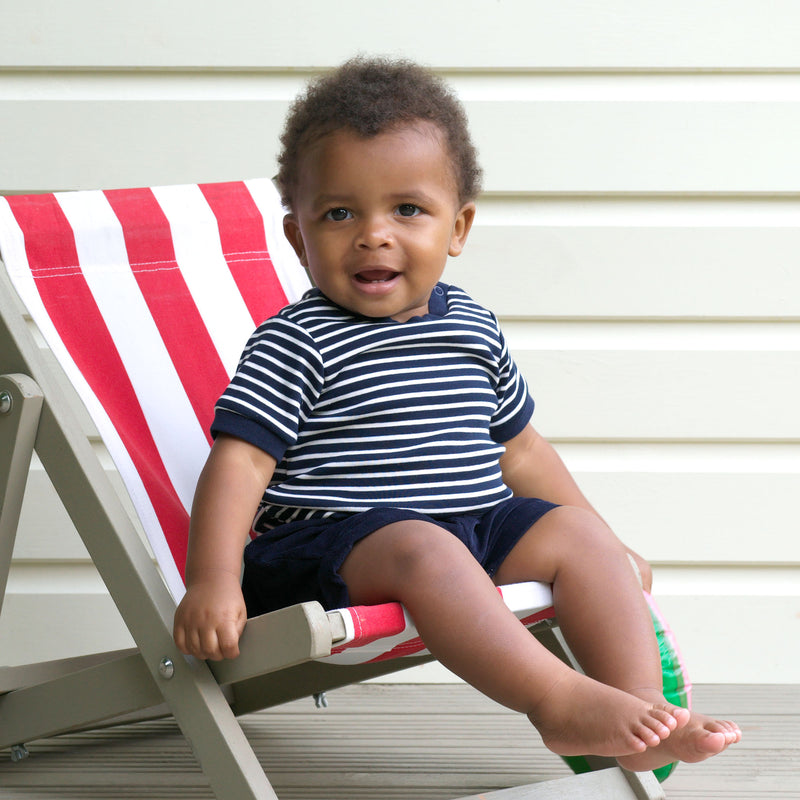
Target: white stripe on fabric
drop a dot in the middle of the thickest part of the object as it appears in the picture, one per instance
(523, 599)
(16, 261)
(405, 452)
(291, 275)
(198, 251)
(179, 438)
(15, 257)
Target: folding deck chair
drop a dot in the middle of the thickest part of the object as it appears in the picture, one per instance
(146, 297)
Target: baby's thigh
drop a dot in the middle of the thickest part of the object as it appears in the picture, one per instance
(396, 559)
(566, 533)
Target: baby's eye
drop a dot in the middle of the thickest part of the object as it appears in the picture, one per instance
(408, 210)
(338, 214)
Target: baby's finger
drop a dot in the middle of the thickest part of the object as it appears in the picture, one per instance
(209, 646)
(179, 636)
(228, 641)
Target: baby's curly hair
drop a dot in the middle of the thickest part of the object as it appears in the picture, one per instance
(370, 96)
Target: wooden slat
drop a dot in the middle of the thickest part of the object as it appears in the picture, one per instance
(512, 34)
(754, 634)
(33, 626)
(379, 742)
(663, 394)
(696, 521)
(634, 146)
(628, 268)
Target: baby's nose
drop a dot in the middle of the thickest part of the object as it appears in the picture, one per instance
(374, 232)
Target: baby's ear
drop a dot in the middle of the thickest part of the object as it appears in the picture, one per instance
(461, 228)
(291, 231)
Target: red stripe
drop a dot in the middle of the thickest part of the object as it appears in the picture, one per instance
(148, 240)
(53, 260)
(409, 648)
(371, 623)
(244, 245)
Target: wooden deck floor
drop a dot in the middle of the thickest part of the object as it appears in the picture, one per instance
(393, 741)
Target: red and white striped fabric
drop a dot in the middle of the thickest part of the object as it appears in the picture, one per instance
(378, 633)
(147, 297)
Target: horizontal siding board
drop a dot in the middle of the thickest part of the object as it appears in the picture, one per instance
(584, 147)
(701, 518)
(632, 271)
(730, 638)
(136, 143)
(664, 395)
(45, 530)
(526, 34)
(637, 146)
(43, 626)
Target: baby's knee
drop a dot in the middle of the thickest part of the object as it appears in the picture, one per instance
(394, 560)
(586, 529)
(416, 549)
(425, 547)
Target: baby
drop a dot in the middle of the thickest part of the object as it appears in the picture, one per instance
(379, 434)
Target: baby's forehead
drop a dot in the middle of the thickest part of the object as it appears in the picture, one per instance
(350, 140)
(411, 128)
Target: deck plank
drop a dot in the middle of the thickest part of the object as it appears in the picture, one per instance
(398, 742)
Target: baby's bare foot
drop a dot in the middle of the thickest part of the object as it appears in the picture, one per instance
(580, 716)
(697, 739)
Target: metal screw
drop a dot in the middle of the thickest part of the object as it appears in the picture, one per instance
(166, 669)
(6, 402)
(19, 753)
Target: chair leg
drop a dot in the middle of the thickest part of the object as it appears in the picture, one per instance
(216, 738)
(193, 696)
(607, 783)
(20, 406)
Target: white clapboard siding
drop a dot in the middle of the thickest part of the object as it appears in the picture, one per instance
(639, 238)
(506, 34)
(704, 259)
(547, 146)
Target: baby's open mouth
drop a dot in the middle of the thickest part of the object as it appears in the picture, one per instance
(375, 275)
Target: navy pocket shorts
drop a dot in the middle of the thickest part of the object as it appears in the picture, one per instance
(299, 561)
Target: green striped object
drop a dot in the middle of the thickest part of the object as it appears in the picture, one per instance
(677, 687)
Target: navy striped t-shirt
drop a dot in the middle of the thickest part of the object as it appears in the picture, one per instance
(363, 412)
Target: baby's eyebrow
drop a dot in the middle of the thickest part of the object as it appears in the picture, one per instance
(330, 200)
(414, 196)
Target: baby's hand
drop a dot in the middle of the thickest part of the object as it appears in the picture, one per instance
(211, 617)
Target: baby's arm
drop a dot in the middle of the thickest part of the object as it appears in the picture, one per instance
(211, 617)
(532, 468)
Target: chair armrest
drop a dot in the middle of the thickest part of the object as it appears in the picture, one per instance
(279, 639)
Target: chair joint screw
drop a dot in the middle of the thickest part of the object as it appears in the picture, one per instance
(166, 668)
(19, 753)
(6, 402)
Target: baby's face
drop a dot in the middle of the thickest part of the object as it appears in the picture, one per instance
(375, 219)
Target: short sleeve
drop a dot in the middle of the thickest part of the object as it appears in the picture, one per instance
(277, 382)
(515, 403)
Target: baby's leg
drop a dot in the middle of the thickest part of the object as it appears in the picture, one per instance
(436, 578)
(606, 622)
